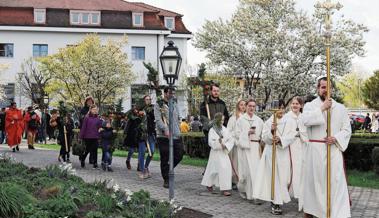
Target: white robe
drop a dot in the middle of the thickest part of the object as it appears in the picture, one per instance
(233, 154)
(313, 199)
(219, 168)
(262, 186)
(248, 153)
(297, 144)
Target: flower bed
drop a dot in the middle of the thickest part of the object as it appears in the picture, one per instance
(57, 192)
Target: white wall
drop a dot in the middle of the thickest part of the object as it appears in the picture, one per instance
(23, 49)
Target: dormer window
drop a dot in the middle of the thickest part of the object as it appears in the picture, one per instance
(40, 16)
(137, 19)
(84, 17)
(169, 23)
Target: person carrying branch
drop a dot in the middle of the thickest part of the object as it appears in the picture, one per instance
(219, 168)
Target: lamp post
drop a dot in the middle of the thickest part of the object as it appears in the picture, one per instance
(328, 6)
(46, 100)
(171, 61)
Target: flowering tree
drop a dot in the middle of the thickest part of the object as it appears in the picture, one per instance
(33, 82)
(2, 93)
(370, 91)
(274, 47)
(89, 68)
(351, 86)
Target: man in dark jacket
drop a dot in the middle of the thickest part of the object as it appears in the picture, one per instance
(209, 108)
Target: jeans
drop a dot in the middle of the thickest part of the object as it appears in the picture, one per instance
(107, 155)
(151, 140)
(163, 144)
(141, 154)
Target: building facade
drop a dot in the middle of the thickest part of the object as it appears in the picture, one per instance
(33, 28)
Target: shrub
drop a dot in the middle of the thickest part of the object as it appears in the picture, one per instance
(375, 159)
(12, 198)
(60, 206)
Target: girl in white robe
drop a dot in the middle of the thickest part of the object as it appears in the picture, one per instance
(219, 169)
(249, 128)
(232, 123)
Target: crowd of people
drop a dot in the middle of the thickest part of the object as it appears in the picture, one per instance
(241, 145)
(242, 151)
(32, 123)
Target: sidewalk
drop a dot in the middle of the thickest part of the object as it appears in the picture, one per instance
(188, 191)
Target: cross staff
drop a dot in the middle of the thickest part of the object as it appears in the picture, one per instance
(328, 6)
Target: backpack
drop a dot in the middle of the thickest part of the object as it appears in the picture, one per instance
(33, 124)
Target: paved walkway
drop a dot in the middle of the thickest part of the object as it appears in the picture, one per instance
(188, 191)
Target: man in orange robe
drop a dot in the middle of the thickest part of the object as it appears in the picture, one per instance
(14, 126)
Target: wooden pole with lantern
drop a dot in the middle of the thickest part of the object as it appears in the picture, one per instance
(328, 6)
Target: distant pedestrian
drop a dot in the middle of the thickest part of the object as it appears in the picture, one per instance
(32, 123)
(196, 125)
(14, 126)
(2, 125)
(85, 109)
(184, 127)
(367, 122)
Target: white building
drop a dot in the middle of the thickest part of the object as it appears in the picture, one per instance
(40, 27)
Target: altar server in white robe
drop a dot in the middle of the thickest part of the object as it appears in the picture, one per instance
(262, 186)
(249, 128)
(291, 137)
(297, 143)
(232, 124)
(219, 169)
(314, 196)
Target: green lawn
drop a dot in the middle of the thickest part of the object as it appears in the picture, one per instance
(187, 160)
(355, 178)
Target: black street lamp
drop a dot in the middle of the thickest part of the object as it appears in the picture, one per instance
(171, 62)
(46, 100)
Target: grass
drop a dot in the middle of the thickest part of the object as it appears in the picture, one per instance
(187, 160)
(356, 178)
(363, 179)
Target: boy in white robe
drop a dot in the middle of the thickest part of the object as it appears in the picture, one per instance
(314, 196)
(219, 169)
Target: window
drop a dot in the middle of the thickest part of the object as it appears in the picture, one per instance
(138, 53)
(84, 17)
(39, 15)
(6, 50)
(40, 50)
(138, 19)
(169, 23)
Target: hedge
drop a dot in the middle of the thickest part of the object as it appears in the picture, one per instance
(357, 156)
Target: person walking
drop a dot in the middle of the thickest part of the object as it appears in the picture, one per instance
(32, 123)
(161, 114)
(107, 135)
(151, 134)
(90, 134)
(2, 125)
(14, 126)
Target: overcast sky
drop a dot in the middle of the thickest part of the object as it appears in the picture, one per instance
(196, 12)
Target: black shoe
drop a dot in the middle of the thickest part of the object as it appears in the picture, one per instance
(95, 166)
(17, 148)
(138, 169)
(128, 165)
(234, 187)
(276, 209)
(82, 163)
(30, 147)
(13, 149)
(109, 169)
(165, 184)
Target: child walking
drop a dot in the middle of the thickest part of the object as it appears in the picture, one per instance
(107, 137)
